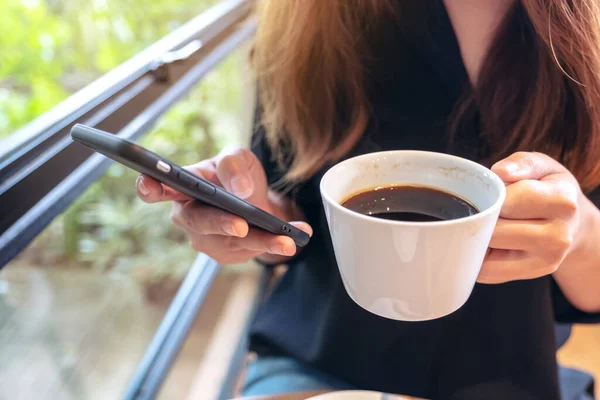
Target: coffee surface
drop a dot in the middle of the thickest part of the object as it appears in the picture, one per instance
(410, 203)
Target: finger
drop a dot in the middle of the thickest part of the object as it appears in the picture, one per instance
(501, 266)
(257, 242)
(220, 249)
(207, 220)
(242, 174)
(532, 199)
(519, 234)
(303, 226)
(152, 191)
(265, 242)
(523, 165)
(205, 169)
(237, 257)
(548, 241)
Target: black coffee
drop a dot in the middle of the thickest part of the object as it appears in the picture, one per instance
(410, 203)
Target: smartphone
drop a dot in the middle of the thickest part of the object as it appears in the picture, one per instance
(167, 172)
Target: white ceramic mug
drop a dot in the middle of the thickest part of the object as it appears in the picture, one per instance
(411, 271)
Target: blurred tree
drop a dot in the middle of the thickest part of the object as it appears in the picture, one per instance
(52, 48)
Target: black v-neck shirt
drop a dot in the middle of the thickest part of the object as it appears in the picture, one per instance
(499, 345)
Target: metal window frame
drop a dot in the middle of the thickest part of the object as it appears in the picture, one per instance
(170, 336)
(176, 324)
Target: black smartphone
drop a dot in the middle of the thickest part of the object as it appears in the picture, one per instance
(146, 162)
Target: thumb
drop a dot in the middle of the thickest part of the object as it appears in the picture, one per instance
(522, 165)
(241, 173)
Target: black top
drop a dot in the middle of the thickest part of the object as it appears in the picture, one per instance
(499, 345)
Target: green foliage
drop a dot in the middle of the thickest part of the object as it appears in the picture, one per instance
(52, 48)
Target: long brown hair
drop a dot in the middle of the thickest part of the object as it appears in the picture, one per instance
(538, 89)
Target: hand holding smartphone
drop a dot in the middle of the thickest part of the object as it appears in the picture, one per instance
(170, 174)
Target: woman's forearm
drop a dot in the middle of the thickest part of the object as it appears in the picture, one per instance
(579, 274)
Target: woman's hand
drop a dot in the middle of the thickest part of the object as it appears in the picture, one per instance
(539, 223)
(226, 237)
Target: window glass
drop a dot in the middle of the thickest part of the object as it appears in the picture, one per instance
(80, 305)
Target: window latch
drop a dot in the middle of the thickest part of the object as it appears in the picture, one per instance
(161, 67)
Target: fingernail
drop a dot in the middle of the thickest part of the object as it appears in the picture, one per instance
(309, 231)
(143, 189)
(241, 186)
(511, 167)
(228, 228)
(304, 227)
(278, 248)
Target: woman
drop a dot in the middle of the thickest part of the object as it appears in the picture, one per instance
(511, 84)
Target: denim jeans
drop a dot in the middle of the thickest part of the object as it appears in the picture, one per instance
(272, 375)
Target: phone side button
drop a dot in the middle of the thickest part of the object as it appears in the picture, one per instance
(163, 166)
(206, 188)
(187, 178)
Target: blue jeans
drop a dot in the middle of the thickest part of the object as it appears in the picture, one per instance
(273, 375)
